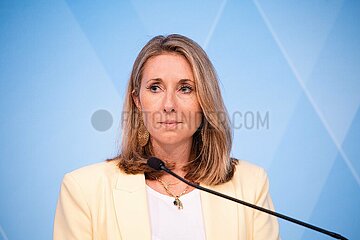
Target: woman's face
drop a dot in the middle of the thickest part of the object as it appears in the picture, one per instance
(167, 99)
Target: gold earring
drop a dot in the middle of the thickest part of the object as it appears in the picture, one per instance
(143, 133)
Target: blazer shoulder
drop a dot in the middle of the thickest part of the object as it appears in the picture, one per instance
(100, 168)
(249, 177)
(95, 175)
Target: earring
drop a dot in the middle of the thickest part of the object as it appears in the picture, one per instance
(143, 134)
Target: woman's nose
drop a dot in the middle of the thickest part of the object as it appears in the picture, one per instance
(169, 103)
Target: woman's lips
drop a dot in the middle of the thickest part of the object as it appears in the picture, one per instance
(169, 124)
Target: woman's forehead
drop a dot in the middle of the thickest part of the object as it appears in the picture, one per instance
(167, 66)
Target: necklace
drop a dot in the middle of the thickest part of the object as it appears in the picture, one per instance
(177, 201)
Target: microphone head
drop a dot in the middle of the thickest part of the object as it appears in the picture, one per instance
(155, 163)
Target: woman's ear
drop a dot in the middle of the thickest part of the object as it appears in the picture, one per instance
(135, 97)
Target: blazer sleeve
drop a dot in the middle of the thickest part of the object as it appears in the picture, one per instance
(72, 217)
(265, 225)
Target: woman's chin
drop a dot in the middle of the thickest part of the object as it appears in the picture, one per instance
(171, 139)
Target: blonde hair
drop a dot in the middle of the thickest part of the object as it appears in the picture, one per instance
(210, 163)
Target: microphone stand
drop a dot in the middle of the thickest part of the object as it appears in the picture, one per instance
(293, 220)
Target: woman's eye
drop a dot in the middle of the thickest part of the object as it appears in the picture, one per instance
(186, 89)
(154, 88)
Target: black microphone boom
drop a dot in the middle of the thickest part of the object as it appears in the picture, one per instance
(157, 164)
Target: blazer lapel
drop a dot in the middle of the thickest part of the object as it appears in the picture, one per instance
(220, 215)
(131, 207)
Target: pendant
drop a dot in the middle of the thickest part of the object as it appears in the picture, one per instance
(178, 203)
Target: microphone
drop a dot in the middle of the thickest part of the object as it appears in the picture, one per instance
(156, 164)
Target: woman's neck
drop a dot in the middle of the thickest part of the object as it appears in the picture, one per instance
(175, 154)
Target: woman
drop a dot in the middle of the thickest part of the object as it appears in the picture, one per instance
(174, 111)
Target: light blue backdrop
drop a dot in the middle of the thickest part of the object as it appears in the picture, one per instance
(292, 66)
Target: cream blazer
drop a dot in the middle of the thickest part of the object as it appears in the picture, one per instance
(101, 202)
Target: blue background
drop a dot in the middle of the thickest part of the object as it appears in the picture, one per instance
(296, 62)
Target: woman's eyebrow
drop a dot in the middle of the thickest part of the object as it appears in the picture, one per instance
(155, 80)
(181, 81)
(185, 80)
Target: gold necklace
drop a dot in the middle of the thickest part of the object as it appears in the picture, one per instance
(177, 201)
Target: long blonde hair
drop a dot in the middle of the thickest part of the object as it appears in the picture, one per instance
(210, 163)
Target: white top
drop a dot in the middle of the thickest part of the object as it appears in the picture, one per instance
(168, 222)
